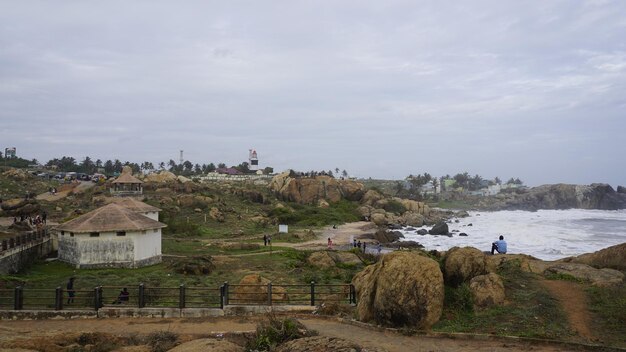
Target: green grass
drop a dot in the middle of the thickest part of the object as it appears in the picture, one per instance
(530, 312)
(608, 305)
(310, 215)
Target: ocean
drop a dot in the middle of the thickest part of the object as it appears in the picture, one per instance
(545, 234)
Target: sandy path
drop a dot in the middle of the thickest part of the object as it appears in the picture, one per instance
(340, 236)
(574, 302)
(24, 330)
(394, 342)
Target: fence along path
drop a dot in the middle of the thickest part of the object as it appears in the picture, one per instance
(181, 297)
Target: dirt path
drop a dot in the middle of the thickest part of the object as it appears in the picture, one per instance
(340, 236)
(574, 302)
(17, 333)
(81, 187)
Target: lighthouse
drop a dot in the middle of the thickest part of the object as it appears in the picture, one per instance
(253, 160)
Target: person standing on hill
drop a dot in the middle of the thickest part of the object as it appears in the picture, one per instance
(499, 246)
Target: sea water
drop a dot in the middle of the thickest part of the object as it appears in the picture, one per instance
(545, 234)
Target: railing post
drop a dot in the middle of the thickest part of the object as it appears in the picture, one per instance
(141, 300)
(181, 296)
(352, 294)
(269, 293)
(18, 298)
(222, 296)
(58, 298)
(312, 293)
(96, 298)
(226, 298)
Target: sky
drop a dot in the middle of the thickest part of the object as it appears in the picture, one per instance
(383, 89)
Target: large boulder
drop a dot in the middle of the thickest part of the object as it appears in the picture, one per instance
(597, 277)
(613, 257)
(216, 214)
(321, 260)
(371, 197)
(252, 289)
(309, 190)
(487, 290)
(621, 189)
(440, 229)
(463, 264)
(384, 236)
(379, 219)
(402, 289)
(345, 258)
(411, 218)
(161, 177)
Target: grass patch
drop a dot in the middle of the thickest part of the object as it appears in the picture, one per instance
(310, 215)
(530, 312)
(608, 305)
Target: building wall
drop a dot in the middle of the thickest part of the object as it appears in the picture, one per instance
(109, 250)
(213, 176)
(154, 215)
(147, 245)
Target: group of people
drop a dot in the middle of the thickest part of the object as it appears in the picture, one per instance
(52, 190)
(267, 239)
(40, 219)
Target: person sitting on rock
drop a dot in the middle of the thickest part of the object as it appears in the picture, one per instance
(499, 246)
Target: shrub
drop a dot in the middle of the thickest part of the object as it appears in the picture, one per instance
(273, 331)
(161, 341)
(393, 206)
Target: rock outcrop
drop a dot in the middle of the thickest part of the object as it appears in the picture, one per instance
(440, 229)
(487, 290)
(161, 177)
(463, 264)
(310, 190)
(558, 196)
(402, 289)
(621, 189)
(249, 291)
(613, 257)
(597, 277)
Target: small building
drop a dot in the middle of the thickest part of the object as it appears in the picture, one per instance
(110, 236)
(127, 185)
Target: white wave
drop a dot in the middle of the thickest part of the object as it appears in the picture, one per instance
(545, 234)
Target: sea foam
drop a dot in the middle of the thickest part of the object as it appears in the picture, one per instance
(545, 234)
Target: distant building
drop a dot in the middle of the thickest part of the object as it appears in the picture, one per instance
(110, 236)
(127, 185)
(253, 160)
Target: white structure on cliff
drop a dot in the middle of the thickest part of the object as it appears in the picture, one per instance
(111, 236)
(253, 160)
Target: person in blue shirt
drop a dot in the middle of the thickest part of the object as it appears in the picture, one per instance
(499, 246)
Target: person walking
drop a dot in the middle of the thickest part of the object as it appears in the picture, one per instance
(330, 244)
(379, 248)
(265, 240)
(70, 290)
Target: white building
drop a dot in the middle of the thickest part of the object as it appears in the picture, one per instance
(253, 160)
(110, 236)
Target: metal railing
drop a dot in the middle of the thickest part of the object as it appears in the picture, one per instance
(180, 297)
(28, 238)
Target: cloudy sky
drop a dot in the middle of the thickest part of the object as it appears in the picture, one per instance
(383, 89)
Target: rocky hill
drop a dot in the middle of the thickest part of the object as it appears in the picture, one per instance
(558, 196)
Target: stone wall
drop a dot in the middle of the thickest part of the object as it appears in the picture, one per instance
(15, 259)
(238, 178)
